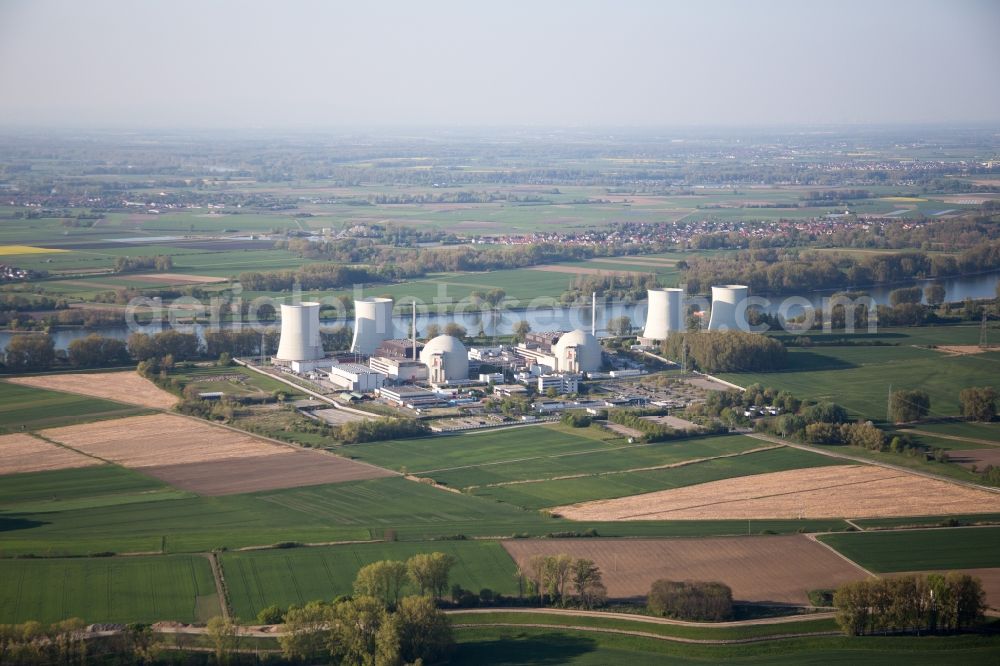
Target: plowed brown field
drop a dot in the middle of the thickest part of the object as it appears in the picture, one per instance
(161, 439)
(24, 453)
(778, 569)
(842, 491)
(127, 387)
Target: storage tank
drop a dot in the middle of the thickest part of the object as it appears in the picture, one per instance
(446, 359)
(300, 339)
(577, 351)
(372, 324)
(664, 313)
(725, 300)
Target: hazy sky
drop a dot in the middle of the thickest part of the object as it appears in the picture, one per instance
(628, 63)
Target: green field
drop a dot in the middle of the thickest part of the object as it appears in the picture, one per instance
(257, 579)
(28, 408)
(545, 453)
(915, 550)
(138, 589)
(570, 491)
(543, 645)
(821, 373)
(81, 488)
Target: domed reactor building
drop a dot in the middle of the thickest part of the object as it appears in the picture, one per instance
(577, 351)
(446, 359)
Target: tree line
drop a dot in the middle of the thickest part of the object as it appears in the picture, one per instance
(725, 351)
(910, 603)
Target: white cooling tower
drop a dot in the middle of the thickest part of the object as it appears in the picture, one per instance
(664, 314)
(372, 324)
(300, 339)
(725, 301)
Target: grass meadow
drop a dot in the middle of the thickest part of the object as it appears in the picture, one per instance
(29, 408)
(106, 589)
(916, 550)
(257, 579)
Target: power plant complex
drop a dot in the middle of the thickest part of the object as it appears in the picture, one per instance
(380, 363)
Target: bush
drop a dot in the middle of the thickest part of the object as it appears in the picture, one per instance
(691, 600)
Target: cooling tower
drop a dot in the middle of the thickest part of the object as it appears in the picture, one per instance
(725, 300)
(664, 314)
(372, 324)
(300, 340)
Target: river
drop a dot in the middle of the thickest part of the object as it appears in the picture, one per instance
(561, 318)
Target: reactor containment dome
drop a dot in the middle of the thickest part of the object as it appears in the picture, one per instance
(446, 359)
(372, 324)
(577, 351)
(727, 303)
(664, 313)
(300, 339)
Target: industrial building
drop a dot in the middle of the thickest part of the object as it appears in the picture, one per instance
(409, 396)
(664, 314)
(398, 369)
(563, 383)
(446, 359)
(300, 339)
(727, 302)
(355, 377)
(372, 324)
(577, 351)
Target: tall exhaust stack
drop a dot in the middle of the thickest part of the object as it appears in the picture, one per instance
(593, 314)
(414, 330)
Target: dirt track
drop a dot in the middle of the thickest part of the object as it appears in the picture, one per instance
(843, 491)
(778, 569)
(127, 387)
(24, 453)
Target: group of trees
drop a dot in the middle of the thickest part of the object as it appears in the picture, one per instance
(629, 287)
(726, 351)
(372, 430)
(911, 603)
(907, 405)
(160, 262)
(95, 351)
(427, 573)
(979, 403)
(364, 630)
(691, 600)
(556, 579)
(69, 643)
(778, 271)
(311, 276)
(31, 351)
(651, 430)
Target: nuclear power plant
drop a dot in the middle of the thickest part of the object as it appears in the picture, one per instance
(372, 324)
(664, 314)
(300, 339)
(725, 301)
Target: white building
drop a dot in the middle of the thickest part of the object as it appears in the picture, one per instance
(562, 383)
(356, 377)
(399, 369)
(577, 351)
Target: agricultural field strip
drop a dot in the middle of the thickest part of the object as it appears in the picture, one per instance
(125, 387)
(609, 616)
(860, 492)
(529, 459)
(683, 463)
(21, 453)
(956, 438)
(868, 461)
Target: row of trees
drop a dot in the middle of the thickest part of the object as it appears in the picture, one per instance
(160, 262)
(911, 603)
(776, 271)
(556, 579)
(374, 430)
(726, 351)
